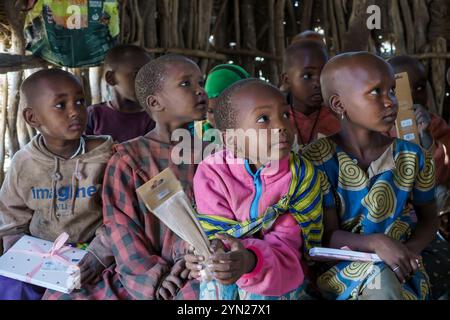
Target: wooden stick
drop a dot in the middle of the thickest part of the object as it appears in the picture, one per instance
(3, 125)
(17, 62)
(237, 28)
(279, 30)
(409, 25)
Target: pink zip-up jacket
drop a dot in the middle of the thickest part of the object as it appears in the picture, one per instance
(229, 189)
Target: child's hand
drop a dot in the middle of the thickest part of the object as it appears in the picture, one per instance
(174, 281)
(228, 267)
(90, 268)
(397, 256)
(423, 121)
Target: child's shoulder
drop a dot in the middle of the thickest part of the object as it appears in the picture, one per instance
(319, 151)
(95, 142)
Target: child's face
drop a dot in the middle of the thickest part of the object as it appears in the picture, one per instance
(303, 78)
(183, 95)
(368, 95)
(262, 110)
(418, 83)
(125, 74)
(59, 109)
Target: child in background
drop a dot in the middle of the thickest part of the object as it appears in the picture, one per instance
(123, 117)
(149, 258)
(374, 177)
(267, 196)
(219, 78)
(309, 35)
(302, 65)
(434, 135)
(54, 182)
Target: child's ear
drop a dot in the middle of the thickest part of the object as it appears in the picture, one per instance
(110, 78)
(336, 105)
(30, 117)
(284, 80)
(153, 104)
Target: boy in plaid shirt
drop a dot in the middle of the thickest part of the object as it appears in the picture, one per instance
(149, 258)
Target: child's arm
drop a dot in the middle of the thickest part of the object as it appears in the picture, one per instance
(393, 252)
(423, 198)
(140, 266)
(426, 227)
(15, 216)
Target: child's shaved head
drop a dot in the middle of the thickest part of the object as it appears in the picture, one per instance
(226, 114)
(345, 66)
(297, 49)
(121, 54)
(31, 86)
(308, 35)
(150, 78)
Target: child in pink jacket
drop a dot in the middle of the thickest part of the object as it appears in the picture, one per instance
(260, 202)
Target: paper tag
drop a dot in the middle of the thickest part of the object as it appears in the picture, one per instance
(406, 119)
(158, 189)
(409, 136)
(406, 123)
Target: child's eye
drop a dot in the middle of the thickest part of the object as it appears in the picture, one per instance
(392, 91)
(286, 115)
(80, 102)
(60, 105)
(307, 76)
(419, 88)
(375, 92)
(262, 119)
(201, 84)
(185, 84)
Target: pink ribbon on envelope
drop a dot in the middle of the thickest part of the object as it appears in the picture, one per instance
(55, 253)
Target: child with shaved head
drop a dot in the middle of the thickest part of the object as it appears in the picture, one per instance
(123, 118)
(54, 183)
(260, 198)
(374, 177)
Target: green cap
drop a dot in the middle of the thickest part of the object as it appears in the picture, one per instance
(221, 77)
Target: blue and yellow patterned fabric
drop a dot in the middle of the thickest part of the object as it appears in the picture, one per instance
(374, 202)
(309, 191)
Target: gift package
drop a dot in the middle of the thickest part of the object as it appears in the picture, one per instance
(51, 265)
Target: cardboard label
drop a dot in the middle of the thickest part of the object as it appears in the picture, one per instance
(406, 119)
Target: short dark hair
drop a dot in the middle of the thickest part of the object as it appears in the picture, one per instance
(291, 53)
(30, 84)
(150, 78)
(121, 53)
(225, 113)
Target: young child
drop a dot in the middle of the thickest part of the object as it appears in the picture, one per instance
(218, 79)
(149, 260)
(268, 196)
(374, 177)
(309, 35)
(434, 135)
(303, 63)
(54, 182)
(123, 117)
